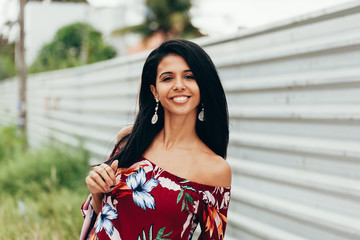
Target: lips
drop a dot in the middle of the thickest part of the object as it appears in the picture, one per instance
(180, 99)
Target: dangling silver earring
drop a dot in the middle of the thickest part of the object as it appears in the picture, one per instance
(201, 116)
(155, 117)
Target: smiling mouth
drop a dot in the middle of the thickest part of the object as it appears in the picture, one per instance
(180, 99)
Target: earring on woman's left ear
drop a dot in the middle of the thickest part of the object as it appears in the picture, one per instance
(201, 116)
(155, 117)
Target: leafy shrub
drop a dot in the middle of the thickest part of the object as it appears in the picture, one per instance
(51, 167)
(41, 191)
(73, 45)
(7, 58)
(53, 215)
(11, 143)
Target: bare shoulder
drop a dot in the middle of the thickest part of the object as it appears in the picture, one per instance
(222, 171)
(217, 172)
(124, 131)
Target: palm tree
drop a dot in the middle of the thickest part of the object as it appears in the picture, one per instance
(170, 18)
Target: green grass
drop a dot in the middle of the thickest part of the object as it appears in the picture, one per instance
(40, 192)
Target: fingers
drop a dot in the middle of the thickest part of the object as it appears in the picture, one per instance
(106, 172)
(93, 186)
(101, 178)
(114, 165)
(99, 181)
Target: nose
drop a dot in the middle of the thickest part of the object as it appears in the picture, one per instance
(179, 84)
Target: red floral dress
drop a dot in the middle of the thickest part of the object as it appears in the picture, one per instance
(149, 203)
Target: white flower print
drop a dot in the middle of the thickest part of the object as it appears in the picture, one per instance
(167, 183)
(225, 201)
(208, 197)
(141, 188)
(103, 221)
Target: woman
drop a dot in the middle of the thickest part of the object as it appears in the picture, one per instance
(167, 172)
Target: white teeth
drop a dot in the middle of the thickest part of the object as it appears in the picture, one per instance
(180, 98)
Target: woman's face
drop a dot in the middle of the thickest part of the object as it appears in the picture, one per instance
(176, 87)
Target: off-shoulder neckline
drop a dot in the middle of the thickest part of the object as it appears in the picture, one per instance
(183, 179)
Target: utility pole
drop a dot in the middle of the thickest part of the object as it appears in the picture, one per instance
(22, 71)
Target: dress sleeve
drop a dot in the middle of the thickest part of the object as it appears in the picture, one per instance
(89, 218)
(212, 214)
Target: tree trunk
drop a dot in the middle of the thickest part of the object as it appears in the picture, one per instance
(22, 71)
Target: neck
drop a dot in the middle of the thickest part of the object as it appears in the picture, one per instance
(178, 132)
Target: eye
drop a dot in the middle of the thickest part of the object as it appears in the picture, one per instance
(189, 77)
(167, 78)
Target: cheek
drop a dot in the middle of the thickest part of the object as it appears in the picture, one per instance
(162, 91)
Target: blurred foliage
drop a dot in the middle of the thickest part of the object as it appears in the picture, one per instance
(7, 59)
(171, 18)
(55, 215)
(41, 191)
(43, 170)
(80, 1)
(11, 143)
(72, 46)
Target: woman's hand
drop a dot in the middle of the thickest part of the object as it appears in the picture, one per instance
(99, 181)
(101, 178)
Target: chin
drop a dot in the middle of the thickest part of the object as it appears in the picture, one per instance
(182, 113)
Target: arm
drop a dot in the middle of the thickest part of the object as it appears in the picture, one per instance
(102, 177)
(99, 181)
(215, 202)
(123, 132)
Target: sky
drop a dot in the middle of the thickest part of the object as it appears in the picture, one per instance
(226, 16)
(214, 17)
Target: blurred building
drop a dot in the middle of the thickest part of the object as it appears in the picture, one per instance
(44, 19)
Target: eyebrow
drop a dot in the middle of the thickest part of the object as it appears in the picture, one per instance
(171, 72)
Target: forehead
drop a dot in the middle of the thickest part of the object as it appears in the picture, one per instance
(172, 63)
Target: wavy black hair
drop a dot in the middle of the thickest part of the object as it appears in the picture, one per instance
(214, 131)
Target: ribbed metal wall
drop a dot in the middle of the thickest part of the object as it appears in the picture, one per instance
(294, 96)
(8, 101)
(293, 89)
(88, 104)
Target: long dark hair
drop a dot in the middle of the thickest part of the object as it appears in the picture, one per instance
(214, 131)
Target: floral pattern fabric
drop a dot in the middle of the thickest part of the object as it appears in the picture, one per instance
(149, 203)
